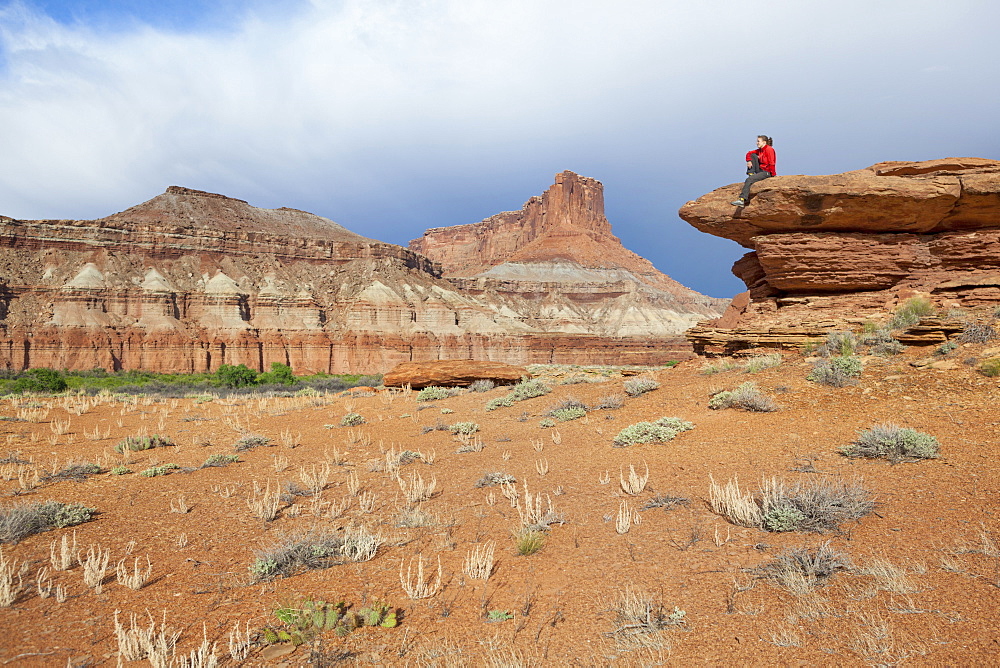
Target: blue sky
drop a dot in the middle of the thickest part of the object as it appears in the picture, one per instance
(390, 117)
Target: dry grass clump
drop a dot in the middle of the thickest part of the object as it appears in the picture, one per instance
(412, 518)
(137, 577)
(635, 482)
(897, 444)
(611, 402)
(415, 584)
(734, 504)
(746, 397)
(95, 566)
(638, 613)
(11, 580)
(811, 505)
(479, 562)
(416, 489)
(801, 570)
(136, 642)
(264, 503)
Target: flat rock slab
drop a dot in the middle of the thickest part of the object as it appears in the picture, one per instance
(452, 373)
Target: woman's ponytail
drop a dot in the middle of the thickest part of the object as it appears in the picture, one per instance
(767, 140)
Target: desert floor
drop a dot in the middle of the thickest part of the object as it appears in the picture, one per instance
(923, 588)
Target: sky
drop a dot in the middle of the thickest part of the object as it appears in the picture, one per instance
(394, 116)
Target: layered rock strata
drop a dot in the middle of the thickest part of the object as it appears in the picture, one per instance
(832, 250)
(191, 280)
(555, 263)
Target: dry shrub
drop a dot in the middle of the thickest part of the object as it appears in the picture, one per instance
(801, 570)
(809, 505)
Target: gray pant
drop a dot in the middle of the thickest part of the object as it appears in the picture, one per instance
(756, 174)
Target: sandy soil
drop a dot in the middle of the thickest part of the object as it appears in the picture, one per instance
(935, 524)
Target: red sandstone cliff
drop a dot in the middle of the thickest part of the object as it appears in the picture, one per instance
(191, 280)
(558, 256)
(831, 250)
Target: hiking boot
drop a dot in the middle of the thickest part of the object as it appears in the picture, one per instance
(738, 202)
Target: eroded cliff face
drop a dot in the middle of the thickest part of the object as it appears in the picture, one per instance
(556, 263)
(191, 280)
(829, 251)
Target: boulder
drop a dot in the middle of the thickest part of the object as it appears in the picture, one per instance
(452, 373)
(834, 251)
(918, 197)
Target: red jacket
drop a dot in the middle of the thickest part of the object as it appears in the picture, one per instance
(765, 157)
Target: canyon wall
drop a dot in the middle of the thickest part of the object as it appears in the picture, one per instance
(191, 280)
(557, 261)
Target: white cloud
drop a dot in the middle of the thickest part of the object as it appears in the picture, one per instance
(348, 99)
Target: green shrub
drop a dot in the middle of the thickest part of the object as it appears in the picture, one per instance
(19, 522)
(240, 375)
(880, 342)
(746, 397)
(990, 367)
(120, 470)
(566, 414)
(280, 374)
(783, 518)
(41, 380)
(887, 441)
(162, 469)
(251, 441)
(837, 371)
(545, 423)
(464, 428)
(911, 312)
(945, 348)
(352, 420)
(840, 343)
(664, 429)
(137, 443)
(526, 389)
(635, 386)
(434, 393)
(219, 459)
(447, 411)
(499, 402)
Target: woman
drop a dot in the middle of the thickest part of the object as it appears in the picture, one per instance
(760, 165)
